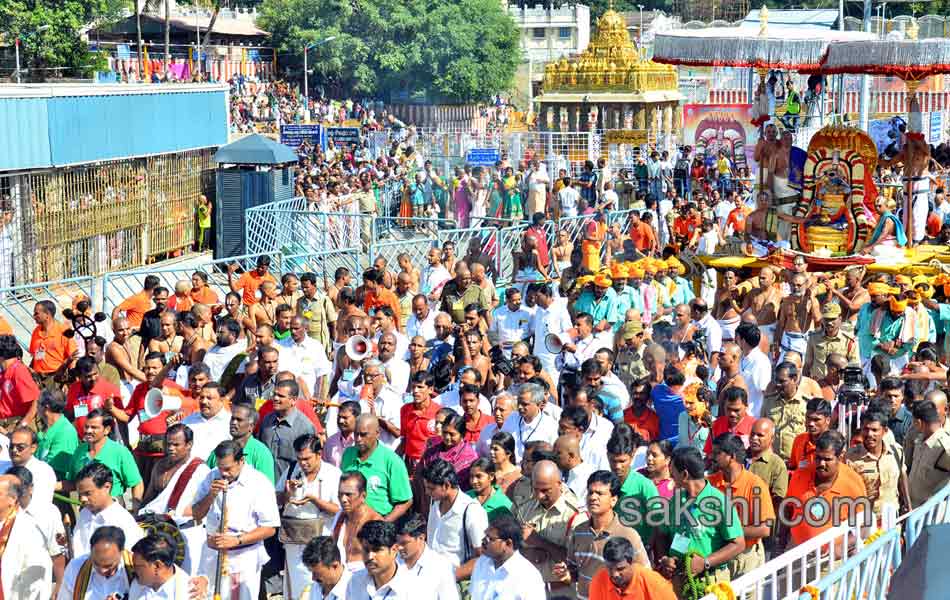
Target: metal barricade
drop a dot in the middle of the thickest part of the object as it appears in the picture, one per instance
(933, 511)
(866, 575)
(508, 242)
(120, 285)
(324, 264)
(782, 577)
(17, 303)
(262, 224)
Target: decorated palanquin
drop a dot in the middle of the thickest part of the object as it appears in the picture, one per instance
(837, 187)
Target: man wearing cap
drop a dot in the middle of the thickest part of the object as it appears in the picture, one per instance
(626, 297)
(629, 359)
(830, 339)
(683, 288)
(600, 302)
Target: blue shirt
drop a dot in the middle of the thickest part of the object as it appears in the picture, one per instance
(668, 405)
(604, 309)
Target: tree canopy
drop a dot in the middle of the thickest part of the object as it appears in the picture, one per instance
(459, 51)
(50, 33)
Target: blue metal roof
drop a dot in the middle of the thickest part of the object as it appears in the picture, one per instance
(58, 125)
(824, 18)
(255, 149)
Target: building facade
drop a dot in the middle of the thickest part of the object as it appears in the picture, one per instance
(549, 33)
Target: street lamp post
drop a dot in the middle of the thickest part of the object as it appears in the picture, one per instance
(17, 50)
(306, 71)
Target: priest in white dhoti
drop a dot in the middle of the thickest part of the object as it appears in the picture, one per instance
(26, 572)
(251, 517)
(172, 488)
(105, 571)
(309, 495)
(156, 575)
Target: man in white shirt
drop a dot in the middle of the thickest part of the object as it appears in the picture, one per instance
(568, 198)
(48, 520)
(383, 577)
(330, 579)
(575, 470)
(309, 495)
(509, 323)
(211, 425)
(418, 558)
(385, 323)
(550, 317)
(592, 432)
(451, 398)
(530, 423)
(756, 368)
(253, 516)
(23, 445)
(457, 522)
(305, 357)
(422, 320)
(219, 356)
(94, 486)
(397, 367)
(503, 404)
(172, 488)
(501, 571)
(25, 567)
(157, 577)
(434, 276)
(584, 347)
(107, 555)
(712, 331)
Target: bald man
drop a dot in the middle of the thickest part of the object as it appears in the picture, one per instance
(834, 367)
(730, 362)
(807, 386)
(763, 462)
(573, 468)
(547, 520)
(387, 482)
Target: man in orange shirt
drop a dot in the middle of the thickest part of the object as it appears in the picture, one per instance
(200, 292)
(639, 415)
(734, 480)
(137, 305)
(737, 216)
(625, 579)
(377, 295)
(5, 328)
(250, 281)
(641, 234)
(52, 351)
(817, 421)
(822, 482)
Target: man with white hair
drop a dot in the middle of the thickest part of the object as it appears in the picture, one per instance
(503, 404)
(530, 423)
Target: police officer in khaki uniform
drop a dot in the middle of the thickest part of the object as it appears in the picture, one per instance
(786, 408)
(629, 359)
(318, 309)
(879, 465)
(930, 469)
(830, 339)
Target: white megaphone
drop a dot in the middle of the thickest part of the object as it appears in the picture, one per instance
(156, 402)
(358, 348)
(554, 342)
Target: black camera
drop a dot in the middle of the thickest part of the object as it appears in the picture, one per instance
(499, 362)
(854, 386)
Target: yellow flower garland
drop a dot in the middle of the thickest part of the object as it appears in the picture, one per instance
(721, 590)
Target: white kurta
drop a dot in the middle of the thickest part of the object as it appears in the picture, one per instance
(44, 478)
(114, 514)
(176, 588)
(196, 535)
(252, 503)
(99, 587)
(27, 571)
(208, 432)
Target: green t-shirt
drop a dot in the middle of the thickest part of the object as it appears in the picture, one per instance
(57, 445)
(257, 455)
(387, 481)
(498, 504)
(638, 495)
(715, 527)
(125, 473)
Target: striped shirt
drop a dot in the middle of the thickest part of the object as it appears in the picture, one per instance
(585, 551)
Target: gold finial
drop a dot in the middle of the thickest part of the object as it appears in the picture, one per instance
(912, 30)
(610, 4)
(764, 21)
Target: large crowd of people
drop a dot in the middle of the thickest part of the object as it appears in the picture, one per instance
(413, 431)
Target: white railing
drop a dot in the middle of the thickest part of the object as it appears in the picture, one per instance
(865, 576)
(782, 577)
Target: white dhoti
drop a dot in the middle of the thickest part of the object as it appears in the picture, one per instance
(795, 342)
(548, 364)
(243, 570)
(769, 332)
(296, 576)
(728, 327)
(537, 199)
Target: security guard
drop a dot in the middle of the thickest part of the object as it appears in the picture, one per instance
(930, 470)
(831, 339)
(629, 359)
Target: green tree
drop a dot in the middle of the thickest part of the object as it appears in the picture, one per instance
(458, 51)
(50, 34)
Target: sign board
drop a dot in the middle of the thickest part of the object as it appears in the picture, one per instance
(294, 135)
(482, 157)
(343, 136)
(936, 127)
(630, 137)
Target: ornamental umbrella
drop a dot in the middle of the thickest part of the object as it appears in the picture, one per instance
(913, 61)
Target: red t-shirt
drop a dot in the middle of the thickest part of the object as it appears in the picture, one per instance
(642, 236)
(18, 391)
(158, 424)
(721, 426)
(472, 434)
(417, 427)
(95, 398)
(647, 424)
(542, 244)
